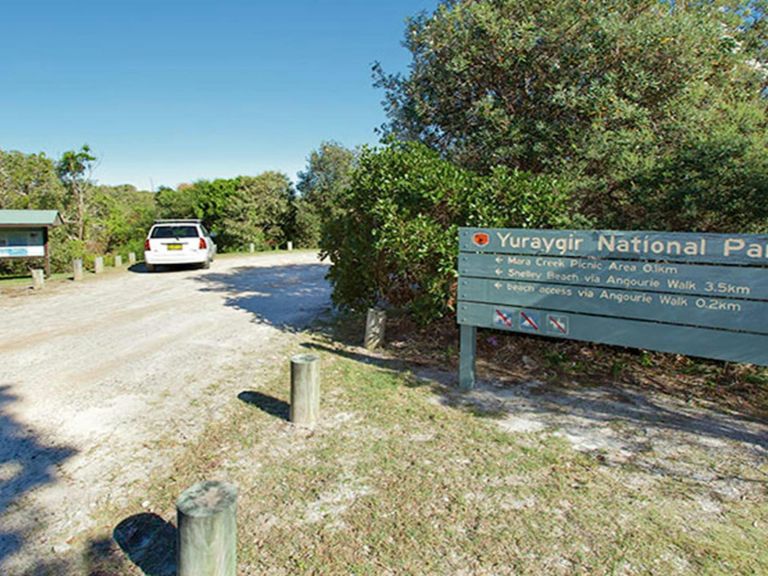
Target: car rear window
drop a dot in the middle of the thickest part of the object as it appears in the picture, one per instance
(174, 232)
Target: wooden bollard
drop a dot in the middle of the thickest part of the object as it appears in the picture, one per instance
(207, 530)
(118, 261)
(375, 323)
(251, 248)
(98, 265)
(77, 269)
(38, 278)
(290, 245)
(305, 389)
(131, 258)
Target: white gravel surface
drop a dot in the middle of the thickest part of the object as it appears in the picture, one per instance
(101, 381)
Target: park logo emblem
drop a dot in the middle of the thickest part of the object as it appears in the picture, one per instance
(481, 239)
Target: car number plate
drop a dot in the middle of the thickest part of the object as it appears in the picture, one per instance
(174, 246)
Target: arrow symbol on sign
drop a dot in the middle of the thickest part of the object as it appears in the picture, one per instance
(499, 271)
(499, 259)
(498, 285)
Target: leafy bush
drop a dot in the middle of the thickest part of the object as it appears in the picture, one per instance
(307, 224)
(65, 249)
(653, 112)
(258, 211)
(394, 237)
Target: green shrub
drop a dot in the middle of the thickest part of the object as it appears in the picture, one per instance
(136, 246)
(394, 239)
(64, 250)
(307, 223)
(239, 210)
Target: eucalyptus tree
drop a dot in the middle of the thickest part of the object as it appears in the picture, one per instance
(74, 169)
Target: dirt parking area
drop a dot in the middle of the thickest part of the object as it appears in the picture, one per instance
(101, 382)
(118, 393)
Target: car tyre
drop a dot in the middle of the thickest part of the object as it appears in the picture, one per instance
(206, 265)
(150, 267)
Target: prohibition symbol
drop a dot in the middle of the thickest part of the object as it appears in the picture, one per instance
(504, 318)
(529, 321)
(557, 324)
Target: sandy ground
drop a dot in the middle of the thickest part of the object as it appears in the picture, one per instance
(720, 456)
(101, 381)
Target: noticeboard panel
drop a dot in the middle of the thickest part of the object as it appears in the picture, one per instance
(22, 243)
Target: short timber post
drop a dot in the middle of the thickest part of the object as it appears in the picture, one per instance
(305, 389)
(131, 258)
(251, 248)
(467, 354)
(77, 269)
(38, 278)
(118, 261)
(207, 530)
(98, 265)
(375, 323)
(290, 245)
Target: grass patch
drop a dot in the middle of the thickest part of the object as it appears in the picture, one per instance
(22, 280)
(397, 479)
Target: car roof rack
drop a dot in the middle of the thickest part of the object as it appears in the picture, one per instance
(178, 220)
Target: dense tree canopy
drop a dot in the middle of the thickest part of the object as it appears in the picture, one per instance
(97, 218)
(259, 210)
(101, 219)
(179, 202)
(652, 112)
(121, 216)
(320, 185)
(241, 210)
(28, 181)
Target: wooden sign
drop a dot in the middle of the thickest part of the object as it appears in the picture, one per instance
(697, 294)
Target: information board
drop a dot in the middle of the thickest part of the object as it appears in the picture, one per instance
(697, 294)
(22, 243)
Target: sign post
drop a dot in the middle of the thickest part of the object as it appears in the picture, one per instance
(467, 356)
(698, 294)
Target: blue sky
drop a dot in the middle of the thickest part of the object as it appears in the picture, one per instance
(170, 91)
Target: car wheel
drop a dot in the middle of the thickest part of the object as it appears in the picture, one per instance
(150, 267)
(206, 264)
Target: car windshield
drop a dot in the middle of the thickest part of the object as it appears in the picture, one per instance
(175, 232)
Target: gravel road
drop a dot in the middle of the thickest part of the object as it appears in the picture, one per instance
(101, 381)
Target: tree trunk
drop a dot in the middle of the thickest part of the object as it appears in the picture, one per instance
(80, 212)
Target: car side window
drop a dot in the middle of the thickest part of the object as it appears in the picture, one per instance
(204, 231)
(174, 232)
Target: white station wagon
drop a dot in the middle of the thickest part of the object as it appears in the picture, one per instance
(172, 242)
